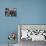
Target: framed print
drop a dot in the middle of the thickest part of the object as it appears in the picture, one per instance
(32, 32)
(10, 12)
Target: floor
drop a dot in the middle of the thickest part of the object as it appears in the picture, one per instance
(30, 43)
(7, 45)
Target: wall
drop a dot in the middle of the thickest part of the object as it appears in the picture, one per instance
(28, 12)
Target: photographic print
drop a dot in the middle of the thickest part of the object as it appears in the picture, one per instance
(10, 11)
(29, 34)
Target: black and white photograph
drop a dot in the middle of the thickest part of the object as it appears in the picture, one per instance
(10, 11)
(31, 34)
